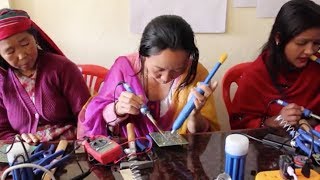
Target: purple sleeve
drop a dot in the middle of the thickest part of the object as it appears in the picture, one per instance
(74, 87)
(6, 130)
(92, 122)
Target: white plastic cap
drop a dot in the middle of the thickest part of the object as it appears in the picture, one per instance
(237, 145)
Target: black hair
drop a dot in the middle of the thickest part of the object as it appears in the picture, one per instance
(170, 32)
(294, 17)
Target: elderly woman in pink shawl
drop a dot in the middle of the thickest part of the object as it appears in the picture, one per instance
(41, 91)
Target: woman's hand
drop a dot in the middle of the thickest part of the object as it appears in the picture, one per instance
(291, 113)
(128, 103)
(200, 100)
(30, 138)
(196, 122)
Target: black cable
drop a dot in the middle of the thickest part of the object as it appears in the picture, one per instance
(115, 99)
(24, 148)
(14, 161)
(82, 176)
(13, 141)
(16, 158)
(77, 159)
(261, 141)
(266, 112)
(281, 148)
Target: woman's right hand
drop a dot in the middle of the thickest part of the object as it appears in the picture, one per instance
(291, 113)
(128, 103)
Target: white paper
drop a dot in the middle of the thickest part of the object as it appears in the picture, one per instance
(204, 16)
(270, 8)
(244, 3)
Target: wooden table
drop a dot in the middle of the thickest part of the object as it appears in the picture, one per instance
(202, 158)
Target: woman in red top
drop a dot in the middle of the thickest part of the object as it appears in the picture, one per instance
(282, 71)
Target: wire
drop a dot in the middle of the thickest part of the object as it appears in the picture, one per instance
(251, 137)
(312, 137)
(24, 147)
(266, 112)
(6, 152)
(139, 153)
(16, 158)
(114, 100)
(79, 165)
(261, 141)
(26, 165)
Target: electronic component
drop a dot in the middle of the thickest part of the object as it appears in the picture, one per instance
(103, 149)
(284, 162)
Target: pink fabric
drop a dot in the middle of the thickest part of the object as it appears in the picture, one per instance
(60, 93)
(28, 83)
(93, 123)
(48, 133)
(91, 120)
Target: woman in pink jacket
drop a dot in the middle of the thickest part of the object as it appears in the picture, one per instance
(41, 91)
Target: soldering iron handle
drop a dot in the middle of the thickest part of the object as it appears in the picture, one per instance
(306, 112)
(144, 109)
(190, 104)
(127, 87)
(185, 112)
(211, 73)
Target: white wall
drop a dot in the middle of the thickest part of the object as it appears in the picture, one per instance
(97, 31)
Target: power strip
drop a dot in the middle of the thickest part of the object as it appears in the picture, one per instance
(275, 175)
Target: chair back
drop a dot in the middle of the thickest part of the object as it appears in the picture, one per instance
(94, 76)
(233, 75)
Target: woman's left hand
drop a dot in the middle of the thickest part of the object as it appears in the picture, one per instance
(196, 122)
(200, 100)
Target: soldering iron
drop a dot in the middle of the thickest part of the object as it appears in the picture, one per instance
(306, 112)
(315, 58)
(144, 109)
(185, 112)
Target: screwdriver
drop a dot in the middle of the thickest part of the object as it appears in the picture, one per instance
(144, 109)
(306, 112)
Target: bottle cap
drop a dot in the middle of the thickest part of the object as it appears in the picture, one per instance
(237, 145)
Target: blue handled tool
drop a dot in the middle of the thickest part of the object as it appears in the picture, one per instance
(306, 112)
(303, 140)
(144, 109)
(315, 58)
(185, 112)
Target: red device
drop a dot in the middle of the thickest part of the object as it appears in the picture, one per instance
(103, 149)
